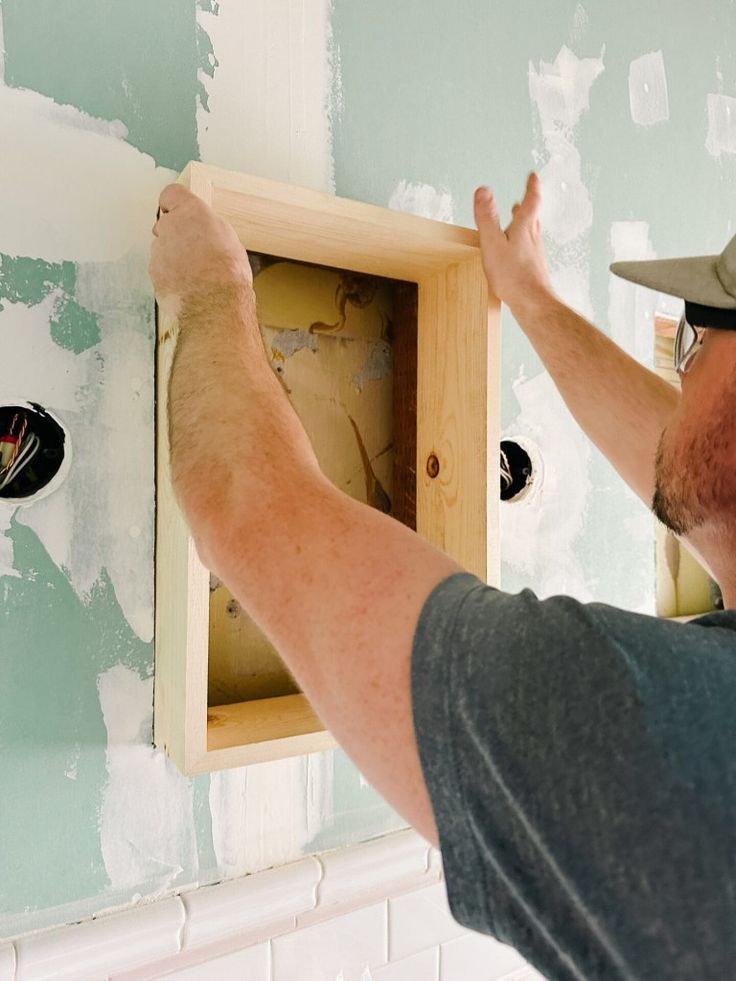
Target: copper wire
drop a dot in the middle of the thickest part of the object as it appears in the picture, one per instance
(19, 441)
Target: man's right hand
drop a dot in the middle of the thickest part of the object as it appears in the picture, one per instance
(194, 251)
(513, 260)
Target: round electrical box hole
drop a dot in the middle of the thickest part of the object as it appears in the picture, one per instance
(34, 452)
(517, 470)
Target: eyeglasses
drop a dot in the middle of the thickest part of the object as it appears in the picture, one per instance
(688, 341)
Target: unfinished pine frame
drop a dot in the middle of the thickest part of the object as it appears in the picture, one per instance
(457, 440)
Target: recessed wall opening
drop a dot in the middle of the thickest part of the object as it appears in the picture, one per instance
(518, 471)
(344, 347)
(683, 587)
(33, 449)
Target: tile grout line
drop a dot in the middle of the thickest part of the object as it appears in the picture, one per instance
(387, 941)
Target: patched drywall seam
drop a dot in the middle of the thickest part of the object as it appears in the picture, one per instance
(268, 99)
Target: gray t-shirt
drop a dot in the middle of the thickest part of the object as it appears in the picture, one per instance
(581, 762)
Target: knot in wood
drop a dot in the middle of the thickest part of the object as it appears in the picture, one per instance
(433, 466)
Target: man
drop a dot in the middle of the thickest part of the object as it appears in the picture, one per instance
(573, 761)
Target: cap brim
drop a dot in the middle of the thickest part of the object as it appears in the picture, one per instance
(694, 279)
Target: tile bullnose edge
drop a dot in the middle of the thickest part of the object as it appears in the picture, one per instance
(434, 862)
(7, 962)
(366, 873)
(253, 904)
(86, 951)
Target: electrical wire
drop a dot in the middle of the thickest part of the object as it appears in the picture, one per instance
(506, 475)
(29, 447)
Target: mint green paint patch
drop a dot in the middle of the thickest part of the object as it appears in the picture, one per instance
(53, 737)
(29, 281)
(73, 327)
(135, 61)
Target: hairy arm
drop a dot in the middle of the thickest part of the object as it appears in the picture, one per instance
(621, 405)
(337, 586)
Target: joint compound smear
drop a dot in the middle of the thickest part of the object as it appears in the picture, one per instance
(538, 532)
(423, 200)
(146, 821)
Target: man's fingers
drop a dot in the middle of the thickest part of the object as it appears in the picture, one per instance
(174, 195)
(486, 212)
(533, 197)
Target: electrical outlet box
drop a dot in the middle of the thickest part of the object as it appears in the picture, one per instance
(380, 327)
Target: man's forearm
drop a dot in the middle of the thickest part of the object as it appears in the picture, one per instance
(227, 408)
(337, 586)
(621, 405)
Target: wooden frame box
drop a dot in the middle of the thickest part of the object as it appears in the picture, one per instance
(454, 449)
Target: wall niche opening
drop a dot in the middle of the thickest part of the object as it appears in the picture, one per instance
(344, 347)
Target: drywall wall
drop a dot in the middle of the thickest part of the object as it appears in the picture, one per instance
(99, 108)
(627, 112)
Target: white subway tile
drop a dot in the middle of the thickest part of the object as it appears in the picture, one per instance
(474, 957)
(90, 951)
(251, 964)
(255, 904)
(364, 873)
(424, 966)
(7, 962)
(352, 945)
(419, 920)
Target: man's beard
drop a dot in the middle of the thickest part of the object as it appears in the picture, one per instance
(695, 479)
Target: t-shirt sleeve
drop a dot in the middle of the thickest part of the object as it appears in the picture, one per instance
(580, 763)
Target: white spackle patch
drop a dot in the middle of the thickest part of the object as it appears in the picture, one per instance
(269, 95)
(7, 555)
(561, 93)
(264, 815)
(538, 532)
(85, 524)
(59, 207)
(147, 820)
(561, 90)
(632, 308)
(423, 200)
(721, 125)
(648, 94)
(92, 199)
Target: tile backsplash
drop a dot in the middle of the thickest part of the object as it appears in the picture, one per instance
(374, 912)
